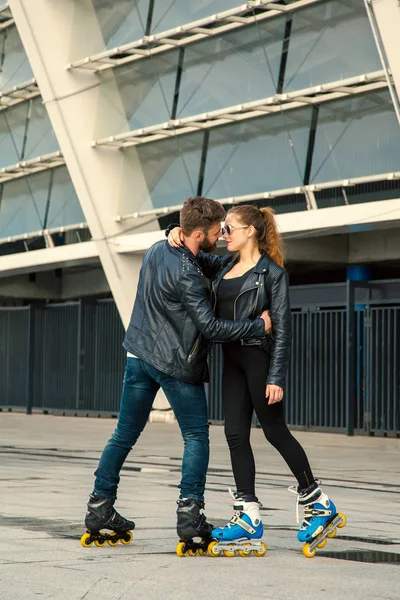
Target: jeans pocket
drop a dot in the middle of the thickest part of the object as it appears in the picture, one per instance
(130, 373)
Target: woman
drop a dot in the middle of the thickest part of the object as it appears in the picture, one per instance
(243, 284)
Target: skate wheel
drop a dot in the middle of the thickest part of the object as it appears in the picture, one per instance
(99, 543)
(245, 551)
(332, 534)
(261, 552)
(191, 552)
(85, 540)
(202, 552)
(212, 549)
(307, 552)
(127, 538)
(344, 520)
(229, 553)
(322, 543)
(180, 549)
(113, 540)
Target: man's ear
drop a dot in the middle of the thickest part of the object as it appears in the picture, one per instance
(198, 235)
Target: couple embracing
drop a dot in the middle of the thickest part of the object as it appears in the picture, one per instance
(175, 317)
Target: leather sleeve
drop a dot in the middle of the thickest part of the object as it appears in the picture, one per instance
(282, 328)
(210, 263)
(195, 298)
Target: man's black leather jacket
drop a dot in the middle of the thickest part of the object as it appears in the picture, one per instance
(172, 318)
(266, 288)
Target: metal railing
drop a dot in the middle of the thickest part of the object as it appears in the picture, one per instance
(241, 16)
(69, 358)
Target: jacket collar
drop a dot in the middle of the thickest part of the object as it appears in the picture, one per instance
(185, 250)
(261, 266)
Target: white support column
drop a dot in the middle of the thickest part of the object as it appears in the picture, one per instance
(384, 17)
(82, 107)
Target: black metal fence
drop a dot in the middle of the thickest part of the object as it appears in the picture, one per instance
(69, 358)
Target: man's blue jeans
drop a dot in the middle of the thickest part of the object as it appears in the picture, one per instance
(188, 401)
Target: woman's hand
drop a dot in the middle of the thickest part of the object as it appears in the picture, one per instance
(265, 316)
(175, 238)
(274, 393)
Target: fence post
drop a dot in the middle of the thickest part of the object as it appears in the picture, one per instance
(31, 358)
(350, 359)
(79, 356)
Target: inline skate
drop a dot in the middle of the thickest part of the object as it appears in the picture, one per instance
(242, 534)
(320, 518)
(192, 524)
(101, 514)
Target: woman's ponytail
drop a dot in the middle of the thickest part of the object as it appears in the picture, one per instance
(272, 242)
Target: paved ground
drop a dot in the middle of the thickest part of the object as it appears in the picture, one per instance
(47, 464)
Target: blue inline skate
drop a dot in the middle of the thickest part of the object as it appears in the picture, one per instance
(242, 534)
(320, 518)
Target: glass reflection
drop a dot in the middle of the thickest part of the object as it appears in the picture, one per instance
(64, 207)
(262, 154)
(356, 136)
(147, 89)
(122, 21)
(171, 169)
(329, 42)
(15, 67)
(237, 67)
(23, 204)
(168, 14)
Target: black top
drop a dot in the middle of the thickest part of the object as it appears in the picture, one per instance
(228, 291)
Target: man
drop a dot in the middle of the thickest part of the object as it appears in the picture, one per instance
(166, 341)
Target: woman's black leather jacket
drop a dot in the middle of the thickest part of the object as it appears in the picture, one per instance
(266, 288)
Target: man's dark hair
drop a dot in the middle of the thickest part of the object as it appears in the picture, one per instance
(200, 213)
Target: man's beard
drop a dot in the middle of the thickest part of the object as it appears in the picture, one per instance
(207, 246)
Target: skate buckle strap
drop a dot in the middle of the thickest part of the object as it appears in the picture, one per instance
(305, 500)
(316, 512)
(236, 520)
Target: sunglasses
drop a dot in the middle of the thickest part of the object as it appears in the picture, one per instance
(229, 228)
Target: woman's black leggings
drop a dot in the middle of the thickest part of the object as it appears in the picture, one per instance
(244, 379)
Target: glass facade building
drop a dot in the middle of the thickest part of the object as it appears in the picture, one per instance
(233, 61)
(113, 112)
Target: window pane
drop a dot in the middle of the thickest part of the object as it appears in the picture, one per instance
(262, 154)
(171, 169)
(168, 14)
(64, 208)
(23, 204)
(15, 68)
(237, 67)
(41, 138)
(356, 136)
(329, 42)
(147, 89)
(121, 21)
(12, 131)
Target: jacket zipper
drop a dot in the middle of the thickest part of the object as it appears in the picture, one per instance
(193, 350)
(241, 294)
